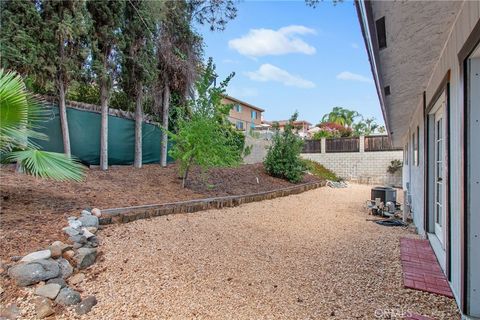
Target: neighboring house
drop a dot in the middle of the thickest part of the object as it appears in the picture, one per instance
(243, 115)
(301, 126)
(425, 59)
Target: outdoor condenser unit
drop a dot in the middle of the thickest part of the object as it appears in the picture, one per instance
(386, 194)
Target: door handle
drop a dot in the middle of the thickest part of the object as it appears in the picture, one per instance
(439, 179)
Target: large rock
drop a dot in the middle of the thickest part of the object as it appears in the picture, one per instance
(71, 231)
(89, 221)
(66, 268)
(96, 212)
(78, 238)
(38, 255)
(75, 224)
(58, 248)
(33, 272)
(86, 305)
(87, 234)
(60, 281)
(68, 297)
(48, 291)
(85, 257)
(43, 307)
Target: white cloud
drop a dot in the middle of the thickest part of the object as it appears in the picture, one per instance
(346, 75)
(262, 42)
(268, 72)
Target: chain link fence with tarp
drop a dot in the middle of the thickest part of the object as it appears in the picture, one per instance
(84, 127)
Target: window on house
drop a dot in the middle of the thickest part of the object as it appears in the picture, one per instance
(415, 149)
(254, 114)
(381, 33)
(238, 108)
(239, 125)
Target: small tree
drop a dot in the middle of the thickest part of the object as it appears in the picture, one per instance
(205, 139)
(283, 157)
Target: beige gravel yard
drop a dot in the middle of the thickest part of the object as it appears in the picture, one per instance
(307, 256)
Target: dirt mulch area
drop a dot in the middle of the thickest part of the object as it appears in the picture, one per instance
(307, 256)
(33, 211)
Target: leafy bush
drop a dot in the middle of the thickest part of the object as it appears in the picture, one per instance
(320, 171)
(283, 157)
(206, 138)
(394, 166)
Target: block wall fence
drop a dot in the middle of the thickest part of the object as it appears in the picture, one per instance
(362, 167)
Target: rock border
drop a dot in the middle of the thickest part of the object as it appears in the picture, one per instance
(53, 273)
(129, 214)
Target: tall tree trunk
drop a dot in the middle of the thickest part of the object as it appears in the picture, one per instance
(165, 110)
(104, 124)
(63, 117)
(61, 102)
(137, 163)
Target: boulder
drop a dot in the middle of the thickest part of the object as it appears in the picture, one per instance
(77, 278)
(78, 238)
(75, 224)
(55, 251)
(33, 272)
(96, 212)
(87, 234)
(68, 297)
(77, 245)
(66, 268)
(85, 257)
(43, 307)
(48, 291)
(60, 281)
(89, 221)
(69, 253)
(85, 212)
(92, 229)
(86, 305)
(63, 246)
(71, 231)
(38, 255)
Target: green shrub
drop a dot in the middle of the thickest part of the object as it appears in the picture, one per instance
(320, 171)
(283, 157)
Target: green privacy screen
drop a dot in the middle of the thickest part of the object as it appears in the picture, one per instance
(84, 129)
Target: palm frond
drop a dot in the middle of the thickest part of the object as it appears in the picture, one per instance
(49, 165)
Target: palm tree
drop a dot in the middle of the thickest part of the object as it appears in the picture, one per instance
(341, 116)
(20, 114)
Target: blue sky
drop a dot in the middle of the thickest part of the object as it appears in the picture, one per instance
(288, 56)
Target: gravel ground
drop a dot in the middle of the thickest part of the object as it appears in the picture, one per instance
(307, 256)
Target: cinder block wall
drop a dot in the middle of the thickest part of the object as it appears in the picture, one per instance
(258, 149)
(362, 167)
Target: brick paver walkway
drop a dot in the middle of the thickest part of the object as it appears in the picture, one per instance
(421, 270)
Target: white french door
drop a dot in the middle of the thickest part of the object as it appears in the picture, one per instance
(439, 179)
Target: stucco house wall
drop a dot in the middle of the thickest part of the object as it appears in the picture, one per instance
(245, 114)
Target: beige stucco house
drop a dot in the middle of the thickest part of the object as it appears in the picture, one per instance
(242, 114)
(301, 127)
(425, 59)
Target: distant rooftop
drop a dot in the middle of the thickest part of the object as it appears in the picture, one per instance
(242, 102)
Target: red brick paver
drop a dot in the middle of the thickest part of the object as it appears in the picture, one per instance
(421, 270)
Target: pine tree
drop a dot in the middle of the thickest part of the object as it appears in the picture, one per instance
(138, 61)
(107, 20)
(21, 48)
(64, 31)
